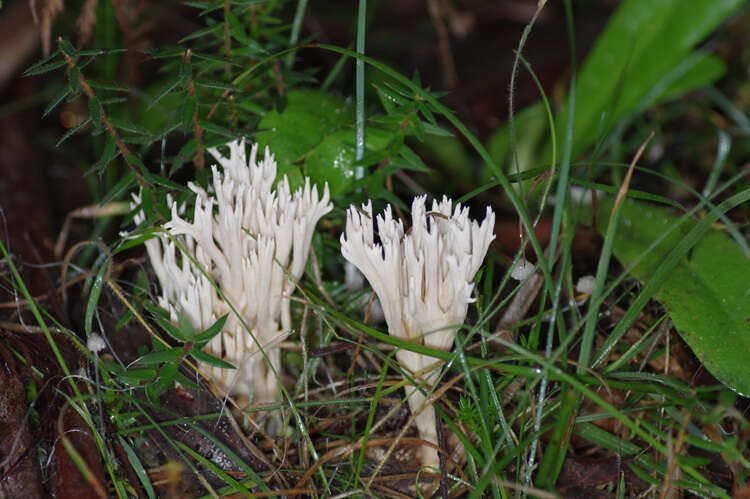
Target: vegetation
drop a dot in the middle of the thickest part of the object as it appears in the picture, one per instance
(549, 389)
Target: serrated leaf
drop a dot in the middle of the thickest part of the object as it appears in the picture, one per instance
(95, 111)
(187, 114)
(74, 81)
(67, 48)
(128, 126)
(236, 29)
(164, 52)
(218, 130)
(410, 160)
(707, 294)
(110, 152)
(119, 87)
(119, 188)
(216, 29)
(213, 84)
(72, 131)
(64, 92)
(44, 68)
(43, 62)
(165, 90)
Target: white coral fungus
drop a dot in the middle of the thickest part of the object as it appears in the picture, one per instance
(253, 243)
(423, 279)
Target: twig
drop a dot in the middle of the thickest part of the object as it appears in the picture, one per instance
(199, 162)
(92, 97)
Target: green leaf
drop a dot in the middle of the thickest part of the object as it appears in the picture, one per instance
(95, 110)
(697, 72)
(166, 89)
(530, 125)
(108, 86)
(236, 28)
(74, 80)
(310, 116)
(333, 160)
(45, 62)
(643, 42)
(205, 336)
(187, 114)
(137, 466)
(120, 188)
(110, 152)
(96, 291)
(64, 92)
(162, 356)
(172, 330)
(210, 359)
(706, 294)
(128, 126)
(73, 131)
(67, 48)
(137, 376)
(185, 325)
(167, 377)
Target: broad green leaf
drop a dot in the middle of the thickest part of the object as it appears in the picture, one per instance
(707, 295)
(643, 42)
(310, 116)
(333, 160)
(644, 55)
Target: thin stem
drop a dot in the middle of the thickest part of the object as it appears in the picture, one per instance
(359, 171)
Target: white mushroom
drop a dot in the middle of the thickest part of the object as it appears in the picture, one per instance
(253, 244)
(423, 279)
